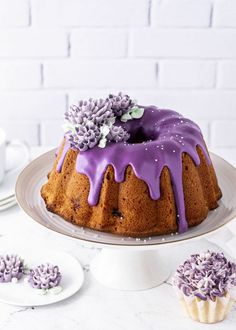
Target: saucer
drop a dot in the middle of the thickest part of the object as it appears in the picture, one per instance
(22, 294)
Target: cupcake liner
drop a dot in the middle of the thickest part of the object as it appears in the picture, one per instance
(207, 311)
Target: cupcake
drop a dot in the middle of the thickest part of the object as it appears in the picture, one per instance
(206, 286)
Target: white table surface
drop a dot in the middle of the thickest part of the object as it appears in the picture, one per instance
(94, 306)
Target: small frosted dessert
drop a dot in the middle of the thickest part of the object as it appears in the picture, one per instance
(46, 278)
(206, 286)
(11, 268)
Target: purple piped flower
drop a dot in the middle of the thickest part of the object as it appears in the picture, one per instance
(11, 267)
(120, 103)
(91, 123)
(97, 111)
(206, 275)
(118, 134)
(44, 277)
(85, 137)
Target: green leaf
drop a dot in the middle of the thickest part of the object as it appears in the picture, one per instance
(125, 117)
(41, 292)
(137, 112)
(56, 289)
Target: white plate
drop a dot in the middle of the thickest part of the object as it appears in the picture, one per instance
(34, 175)
(22, 294)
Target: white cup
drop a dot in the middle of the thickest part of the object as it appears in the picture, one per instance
(3, 144)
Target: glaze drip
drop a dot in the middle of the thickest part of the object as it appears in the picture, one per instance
(166, 136)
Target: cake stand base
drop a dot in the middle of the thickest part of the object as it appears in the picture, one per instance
(130, 270)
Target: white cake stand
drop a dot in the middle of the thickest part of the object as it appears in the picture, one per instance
(125, 263)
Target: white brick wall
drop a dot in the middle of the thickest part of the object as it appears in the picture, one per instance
(225, 13)
(14, 13)
(96, 43)
(186, 74)
(99, 74)
(11, 73)
(181, 13)
(183, 43)
(29, 43)
(178, 54)
(227, 74)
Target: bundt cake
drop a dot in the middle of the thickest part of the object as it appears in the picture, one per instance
(131, 170)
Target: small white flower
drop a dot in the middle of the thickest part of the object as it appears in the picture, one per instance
(14, 280)
(102, 143)
(104, 130)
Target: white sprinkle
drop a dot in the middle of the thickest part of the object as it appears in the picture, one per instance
(172, 234)
(156, 160)
(144, 241)
(163, 239)
(181, 121)
(146, 148)
(157, 146)
(173, 150)
(149, 238)
(122, 239)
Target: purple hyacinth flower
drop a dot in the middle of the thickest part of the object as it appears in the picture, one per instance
(206, 275)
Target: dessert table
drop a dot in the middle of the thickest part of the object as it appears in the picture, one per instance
(95, 306)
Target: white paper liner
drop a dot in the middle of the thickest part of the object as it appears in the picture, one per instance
(207, 311)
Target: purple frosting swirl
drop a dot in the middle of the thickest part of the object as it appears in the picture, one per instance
(44, 276)
(120, 103)
(87, 121)
(11, 266)
(206, 276)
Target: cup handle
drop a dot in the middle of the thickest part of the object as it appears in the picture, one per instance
(23, 145)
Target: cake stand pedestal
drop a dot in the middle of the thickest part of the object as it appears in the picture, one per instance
(142, 268)
(127, 263)
(130, 270)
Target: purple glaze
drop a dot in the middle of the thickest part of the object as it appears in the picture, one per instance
(168, 135)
